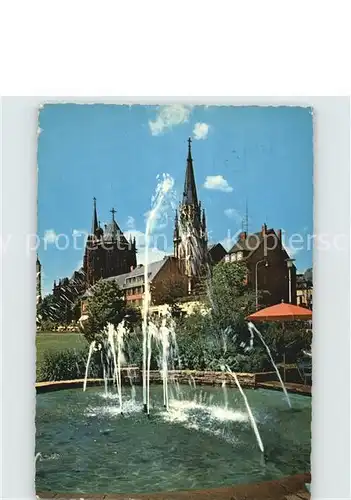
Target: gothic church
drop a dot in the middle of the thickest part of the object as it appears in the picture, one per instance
(107, 252)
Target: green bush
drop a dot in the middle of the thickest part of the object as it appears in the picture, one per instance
(68, 364)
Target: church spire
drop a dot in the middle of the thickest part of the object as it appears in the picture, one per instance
(189, 194)
(95, 225)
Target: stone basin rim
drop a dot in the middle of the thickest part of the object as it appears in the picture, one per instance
(291, 487)
(247, 380)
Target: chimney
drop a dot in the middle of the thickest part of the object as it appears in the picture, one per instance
(243, 235)
(264, 228)
(279, 233)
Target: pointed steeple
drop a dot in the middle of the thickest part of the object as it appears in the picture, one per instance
(189, 194)
(95, 225)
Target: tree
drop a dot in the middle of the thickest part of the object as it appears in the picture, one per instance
(107, 305)
(229, 296)
(51, 309)
(169, 292)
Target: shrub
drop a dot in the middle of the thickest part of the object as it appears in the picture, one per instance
(69, 364)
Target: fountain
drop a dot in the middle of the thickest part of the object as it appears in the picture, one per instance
(252, 418)
(253, 328)
(91, 348)
(164, 188)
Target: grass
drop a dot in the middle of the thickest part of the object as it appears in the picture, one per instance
(46, 342)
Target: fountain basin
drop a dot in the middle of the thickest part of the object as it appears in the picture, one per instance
(87, 446)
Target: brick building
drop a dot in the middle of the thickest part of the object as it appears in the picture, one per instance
(267, 263)
(163, 276)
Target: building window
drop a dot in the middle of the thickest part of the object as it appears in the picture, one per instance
(233, 257)
(239, 256)
(227, 258)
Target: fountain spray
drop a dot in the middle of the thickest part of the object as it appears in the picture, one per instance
(91, 348)
(253, 328)
(252, 418)
(163, 188)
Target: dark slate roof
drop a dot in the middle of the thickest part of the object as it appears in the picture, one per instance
(214, 245)
(114, 233)
(153, 269)
(250, 243)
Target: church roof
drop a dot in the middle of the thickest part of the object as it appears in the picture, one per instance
(189, 194)
(113, 231)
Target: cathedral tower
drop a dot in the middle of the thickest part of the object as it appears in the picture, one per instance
(190, 235)
(107, 252)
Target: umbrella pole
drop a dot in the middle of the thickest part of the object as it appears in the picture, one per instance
(284, 359)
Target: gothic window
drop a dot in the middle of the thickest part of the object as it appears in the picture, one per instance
(239, 256)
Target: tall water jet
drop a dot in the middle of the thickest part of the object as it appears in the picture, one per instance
(91, 348)
(225, 394)
(163, 188)
(132, 388)
(111, 341)
(151, 333)
(253, 328)
(120, 342)
(104, 371)
(252, 418)
(164, 348)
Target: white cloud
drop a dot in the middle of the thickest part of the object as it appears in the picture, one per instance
(218, 183)
(153, 256)
(200, 130)
(228, 242)
(49, 236)
(168, 117)
(234, 214)
(130, 222)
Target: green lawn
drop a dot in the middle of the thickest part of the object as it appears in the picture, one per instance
(46, 342)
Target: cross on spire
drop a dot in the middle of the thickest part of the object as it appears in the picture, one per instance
(113, 211)
(189, 148)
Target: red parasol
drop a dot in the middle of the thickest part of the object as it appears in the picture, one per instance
(282, 312)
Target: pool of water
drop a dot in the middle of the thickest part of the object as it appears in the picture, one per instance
(87, 446)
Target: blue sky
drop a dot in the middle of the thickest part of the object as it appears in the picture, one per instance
(260, 154)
